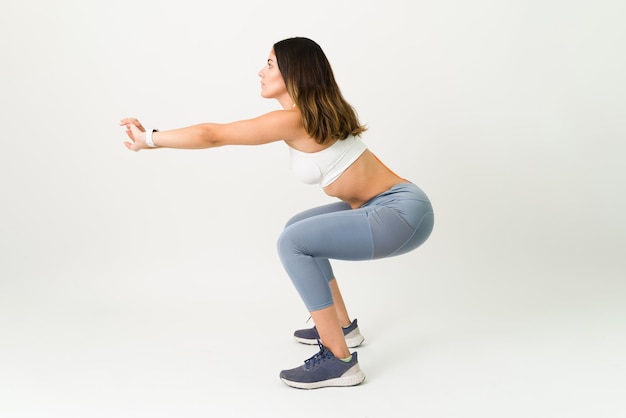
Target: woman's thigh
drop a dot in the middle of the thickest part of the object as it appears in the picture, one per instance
(320, 210)
(340, 235)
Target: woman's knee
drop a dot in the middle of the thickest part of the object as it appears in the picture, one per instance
(283, 243)
(288, 242)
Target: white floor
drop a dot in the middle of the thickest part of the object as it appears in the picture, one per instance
(189, 342)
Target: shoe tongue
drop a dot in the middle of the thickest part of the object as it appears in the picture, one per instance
(325, 352)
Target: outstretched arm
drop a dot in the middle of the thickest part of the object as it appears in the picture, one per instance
(270, 127)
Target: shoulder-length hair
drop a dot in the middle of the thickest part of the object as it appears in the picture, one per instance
(311, 85)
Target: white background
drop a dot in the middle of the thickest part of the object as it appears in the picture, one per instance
(147, 285)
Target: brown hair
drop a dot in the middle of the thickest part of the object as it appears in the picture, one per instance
(311, 85)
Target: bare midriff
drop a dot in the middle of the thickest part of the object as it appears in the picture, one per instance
(366, 178)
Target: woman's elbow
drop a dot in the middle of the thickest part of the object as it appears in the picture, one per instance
(209, 135)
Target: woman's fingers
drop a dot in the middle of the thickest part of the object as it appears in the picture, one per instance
(132, 121)
(134, 130)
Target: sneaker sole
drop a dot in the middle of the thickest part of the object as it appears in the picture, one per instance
(350, 342)
(343, 381)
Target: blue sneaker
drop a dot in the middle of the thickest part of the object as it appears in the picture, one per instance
(351, 333)
(324, 370)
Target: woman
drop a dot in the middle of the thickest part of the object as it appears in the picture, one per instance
(378, 214)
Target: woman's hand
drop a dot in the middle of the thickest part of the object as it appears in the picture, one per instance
(136, 133)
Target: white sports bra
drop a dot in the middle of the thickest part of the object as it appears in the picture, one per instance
(325, 166)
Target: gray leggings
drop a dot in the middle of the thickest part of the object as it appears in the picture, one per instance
(392, 223)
